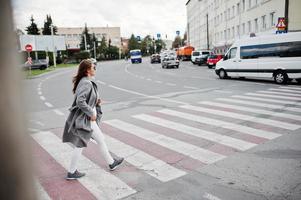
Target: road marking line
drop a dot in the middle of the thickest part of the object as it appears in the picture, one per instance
(58, 112)
(267, 100)
(187, 149)
(214, 137)
(291, 88)
(143, 161)
(158, 81)
(219, 123)
(211, 197)
(281, 93)
(274, 96)
(42, 98)
(111, 188)
(103, 83)
(188, 87)
(285, 90)
(40, 93)
(253, 110)
(265, 105)
(270, 122)
(171, 84)
(48, 104)
(37, 122)
(160, 98)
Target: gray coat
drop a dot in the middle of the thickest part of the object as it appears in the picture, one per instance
(78, 125)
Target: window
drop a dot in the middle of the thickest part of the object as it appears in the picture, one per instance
(233, 32)
(243, 28)
(243, 5)
(238, 30)
(237, 8)
(286, 49)
(263, 23)
(272, 19)
(249, 27)
(233, 11)
(250, 3)
(256, 25)
(232, 53)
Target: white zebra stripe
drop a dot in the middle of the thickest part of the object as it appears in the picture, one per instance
(265, 105)
(189, 150)
(58, 112)
(253, 110)
(269, 122)
(143, 161)
(41, 193)
(285, 90)
(111, 188)
(214, 137)
(240, 128)
(280, 93)
(291, 88)
(268, 100)
(275, 96)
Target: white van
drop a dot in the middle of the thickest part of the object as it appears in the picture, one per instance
(199, 54)
(271, 56)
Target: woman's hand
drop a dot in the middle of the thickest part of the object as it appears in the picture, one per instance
(93, 118)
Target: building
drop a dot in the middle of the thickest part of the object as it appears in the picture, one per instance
(215, 24)
(73, 35)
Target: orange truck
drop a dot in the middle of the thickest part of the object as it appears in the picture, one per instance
(184, 53)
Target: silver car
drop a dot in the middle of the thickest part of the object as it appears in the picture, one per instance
(170, 60)
(36, 64)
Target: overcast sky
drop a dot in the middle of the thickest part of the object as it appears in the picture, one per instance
(141, 17)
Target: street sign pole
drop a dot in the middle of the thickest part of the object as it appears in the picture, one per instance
(28, 48)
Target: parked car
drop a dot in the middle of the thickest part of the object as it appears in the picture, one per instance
(155, 58)
(213, 59)
(36, 64)
(202, 58)
(170, 60)
(199, 54)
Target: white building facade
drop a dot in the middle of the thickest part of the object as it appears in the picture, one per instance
(228, 20)
(73, 35)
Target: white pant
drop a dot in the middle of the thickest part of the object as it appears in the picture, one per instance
(98, 136)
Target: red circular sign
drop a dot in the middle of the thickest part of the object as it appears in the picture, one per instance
(28, 47)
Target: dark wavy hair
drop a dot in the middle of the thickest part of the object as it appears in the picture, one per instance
(83, 67)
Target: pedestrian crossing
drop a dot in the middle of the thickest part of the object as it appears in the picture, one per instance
(167, 144)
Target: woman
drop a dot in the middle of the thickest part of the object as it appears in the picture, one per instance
(84, 118)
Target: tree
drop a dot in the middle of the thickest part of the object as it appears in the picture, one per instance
(88, 39)
(112, 52)
(32, 29)
(94, 41)
(147, 45)
(159, 45)
(133, 43)
(47, 26)
(177, 42)
(102, 48)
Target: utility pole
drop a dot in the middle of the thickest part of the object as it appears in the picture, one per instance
(53, 48)
(286, 14)
(94, 47)
(207, 31)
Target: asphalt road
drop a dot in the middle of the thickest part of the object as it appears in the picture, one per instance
(205, 138)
